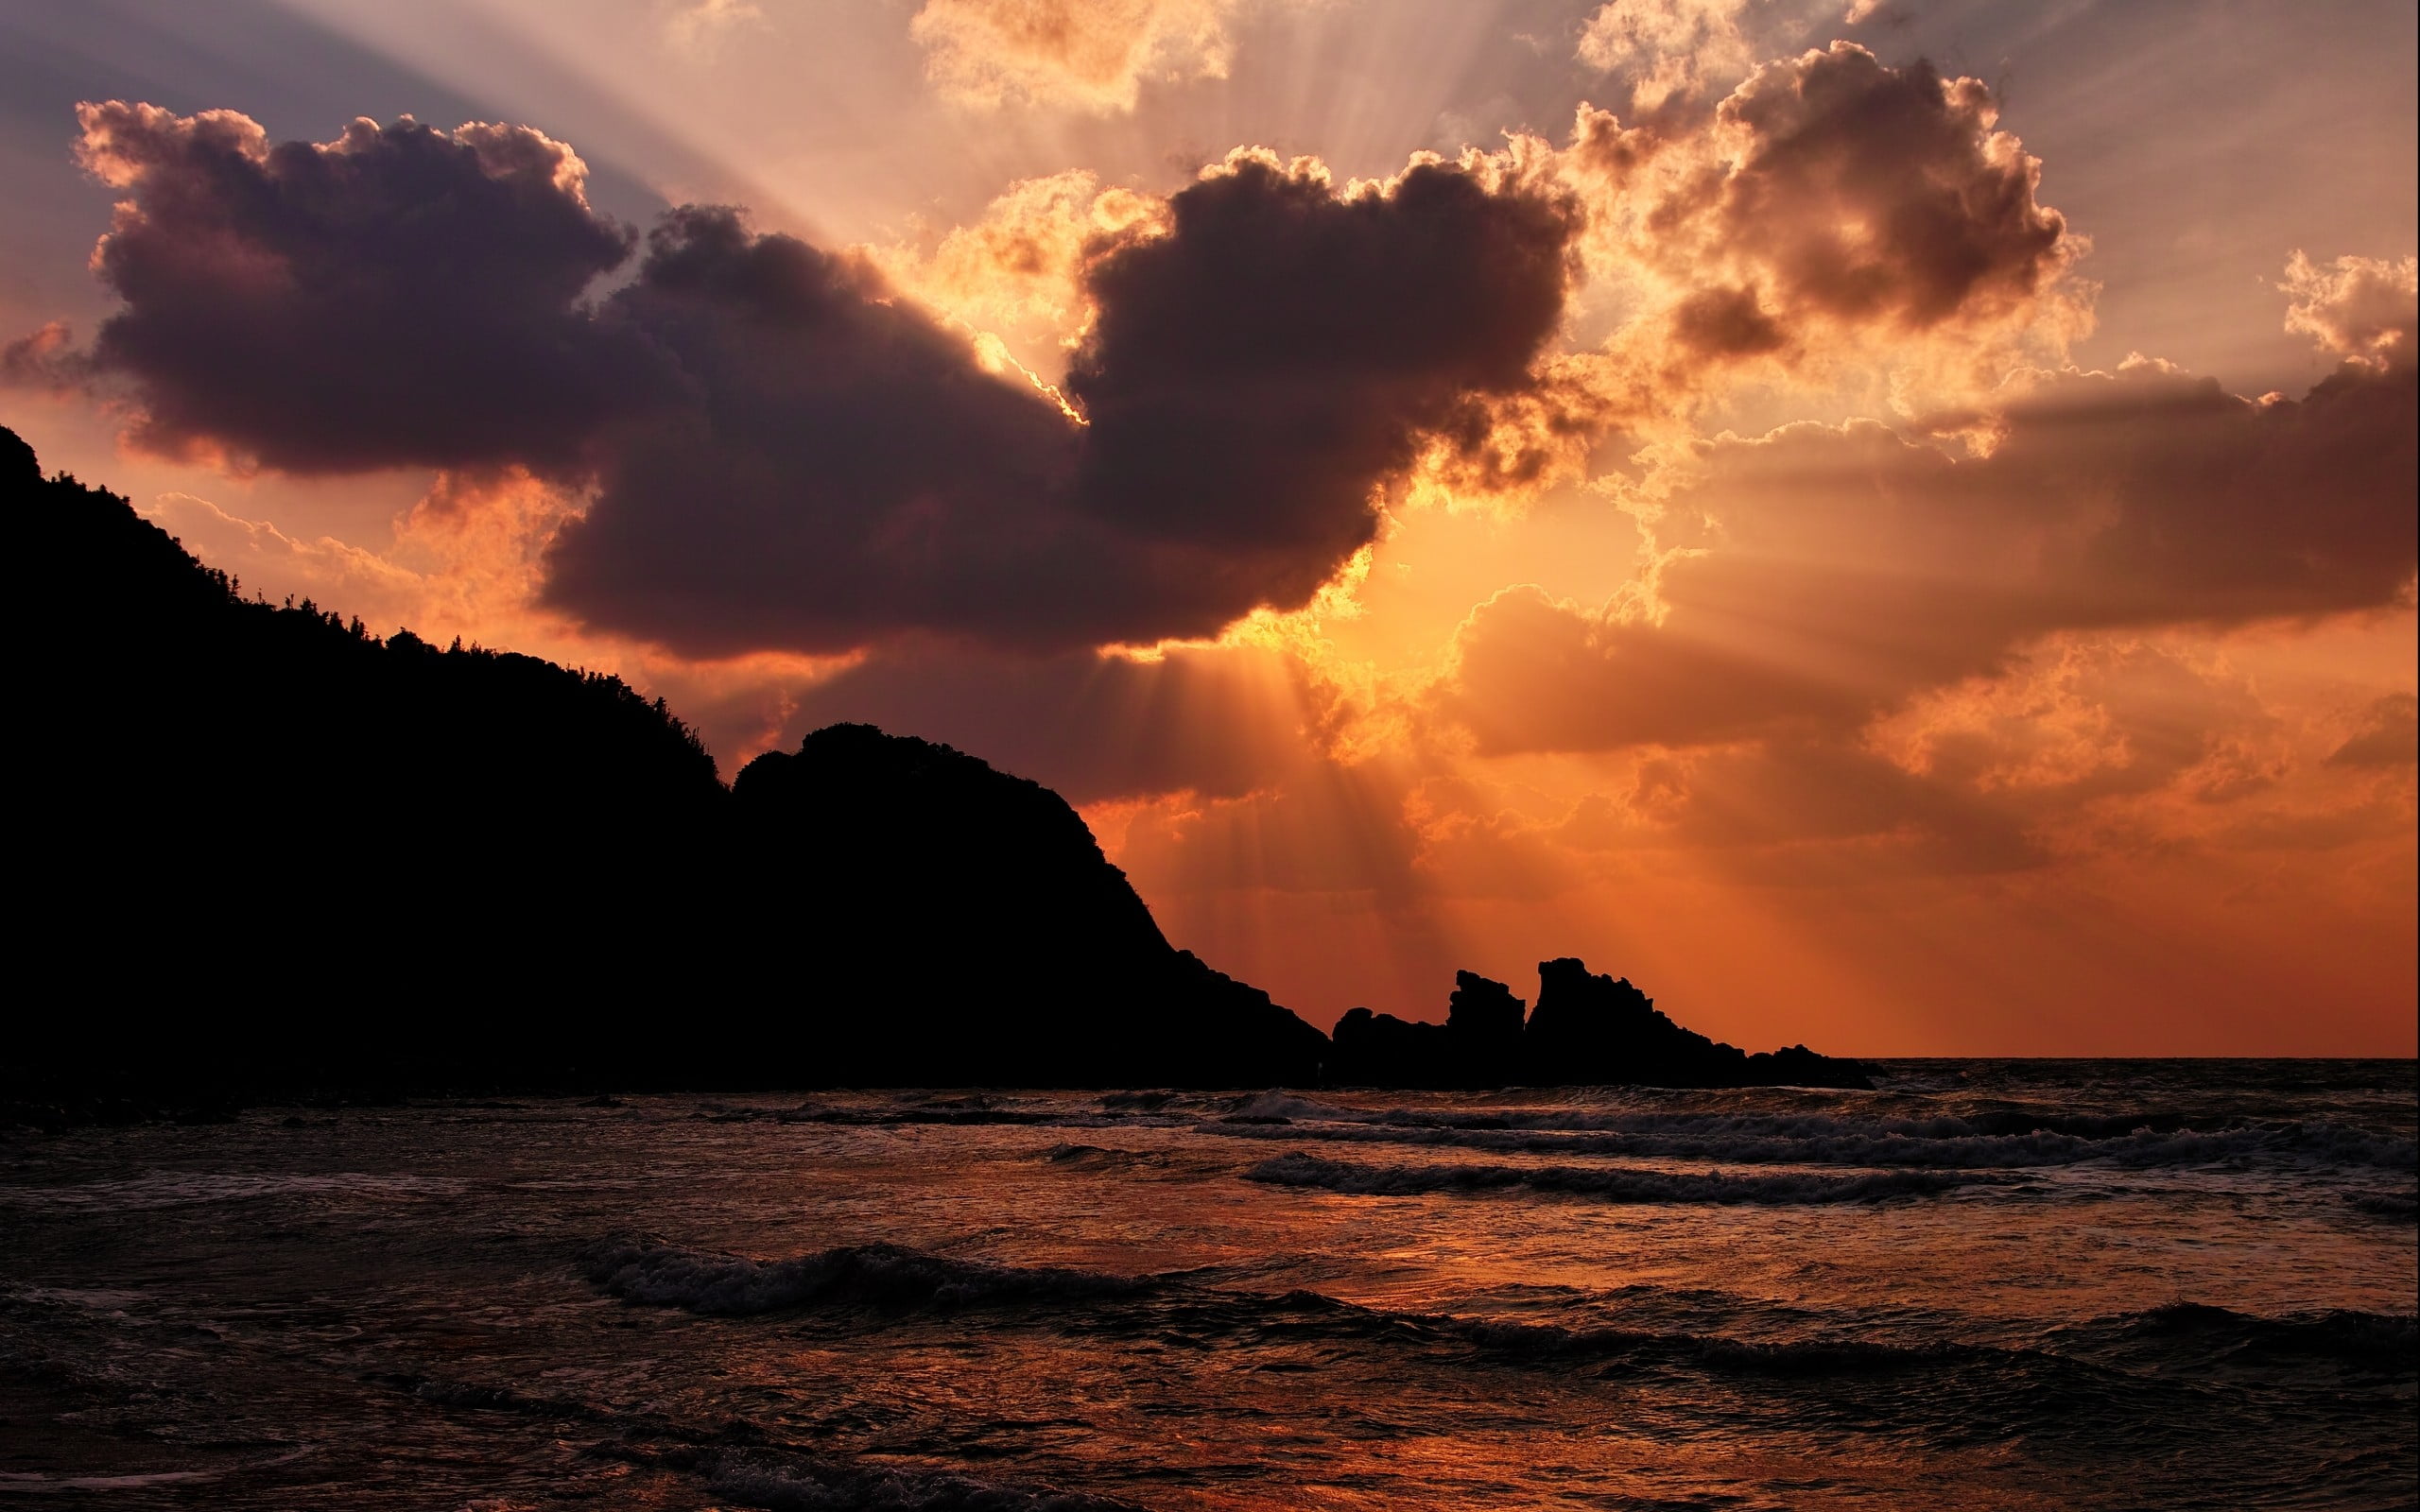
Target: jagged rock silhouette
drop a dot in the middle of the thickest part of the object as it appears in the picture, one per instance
(1587, 1030)
(1483, 1031)
(1592, 1028)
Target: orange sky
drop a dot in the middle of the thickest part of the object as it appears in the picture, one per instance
(1892, 531)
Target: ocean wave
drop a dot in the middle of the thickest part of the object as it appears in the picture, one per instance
(1783, 1357)
(2320, 1137)
(2341, 1336)
(798, 1482)
(1300, 1169)
(951, 1114)
(1094, 1157)
(1176, 1305)
(735, 1461)
(477, 1396)
(1830, 1145)
(960, 1113)
(2189, 1344)
(2183, 1342)
(2002, 1138)
(1265, 1106)
(641, 1270)
(2398, 1206)
(172, 1188)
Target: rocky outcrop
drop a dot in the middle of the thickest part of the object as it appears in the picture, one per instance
(1380, 1050)
(1595, 1028)
(1483, 1032)
(1588, 1030)
(1592, 1029)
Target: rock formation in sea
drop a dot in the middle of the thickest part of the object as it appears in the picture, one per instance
(1587, 1030)
(1380, 1050)
(1483, 1032)
(1594, 1029)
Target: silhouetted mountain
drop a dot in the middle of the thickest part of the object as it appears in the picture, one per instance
(265, 851)
(1588, 1030)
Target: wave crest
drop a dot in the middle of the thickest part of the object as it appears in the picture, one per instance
(641, 1270)
(792, 1483)
(1793, 1189)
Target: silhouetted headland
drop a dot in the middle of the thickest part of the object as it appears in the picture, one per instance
(266, 853)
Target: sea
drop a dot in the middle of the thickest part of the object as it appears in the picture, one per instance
(1985, 1285)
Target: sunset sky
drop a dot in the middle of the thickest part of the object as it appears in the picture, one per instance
(1890, 524)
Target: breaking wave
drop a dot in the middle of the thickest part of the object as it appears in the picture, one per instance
(2183, 1342)
(799, 1482)
(640, 1270)
(1298, 1169)
(1180, 1304)
(735, 1461)
(2207, 1334)
(2401, 1206)
(1997, 1140)
(171, 1189)
(972, 1112)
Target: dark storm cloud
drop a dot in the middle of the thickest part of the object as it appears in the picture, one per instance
(839, 468)
(1829, 194)
(849, 474)
(401, 296)
(1721, 323)
(1253, 372)
(1882, 193)
(784, 455)
(1844, 568)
